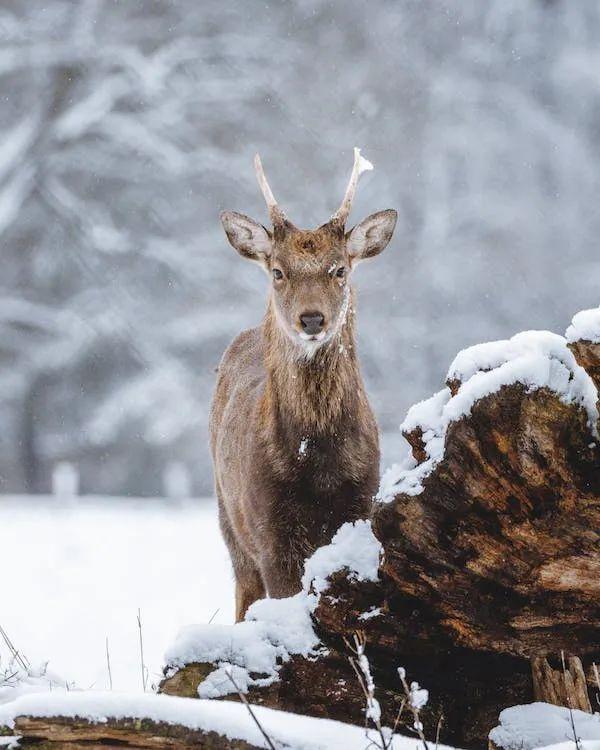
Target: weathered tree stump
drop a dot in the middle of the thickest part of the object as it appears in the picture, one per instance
(564, 686)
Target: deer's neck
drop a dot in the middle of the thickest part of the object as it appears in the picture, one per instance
(311, 394)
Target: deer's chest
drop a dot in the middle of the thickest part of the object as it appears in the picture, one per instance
(318, 466)
(321, 487)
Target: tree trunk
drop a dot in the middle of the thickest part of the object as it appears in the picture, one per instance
(28, 449)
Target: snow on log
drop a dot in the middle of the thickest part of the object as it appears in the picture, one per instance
(533, 360)
(501, 543)
(488, 542)
(585, 326)
(583, 336)
(539, 725)
(275, 630)
(73, 720)
(493, 555)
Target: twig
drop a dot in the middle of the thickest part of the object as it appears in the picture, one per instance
(143, 666)
(108, 665)
(417, 725)
(244, 700)
(21, 660)
(399, 715)
(410, 692)
(6, 680)
(214, 614)
(362, 668)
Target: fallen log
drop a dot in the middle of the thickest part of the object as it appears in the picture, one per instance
(490, 552)
(71, 720)
(93, 719)
(71, 733)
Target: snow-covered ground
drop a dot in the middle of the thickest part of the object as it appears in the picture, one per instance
(75, 574)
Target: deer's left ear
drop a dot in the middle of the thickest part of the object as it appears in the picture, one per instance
(371, 236)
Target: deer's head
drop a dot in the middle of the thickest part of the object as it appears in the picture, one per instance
(310, 269)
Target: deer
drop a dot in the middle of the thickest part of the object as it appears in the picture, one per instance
(294, 442)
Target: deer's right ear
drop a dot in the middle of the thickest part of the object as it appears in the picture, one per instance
(249, 238)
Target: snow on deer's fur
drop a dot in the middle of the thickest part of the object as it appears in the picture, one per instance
(294, 442)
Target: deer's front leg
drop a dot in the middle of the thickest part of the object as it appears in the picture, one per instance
(282, 575)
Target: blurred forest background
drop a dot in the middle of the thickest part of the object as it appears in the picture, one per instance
(127, 126)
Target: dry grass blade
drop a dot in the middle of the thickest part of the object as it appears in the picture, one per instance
(438, 731)
(110, 682)
(143, 666)
(571, 716)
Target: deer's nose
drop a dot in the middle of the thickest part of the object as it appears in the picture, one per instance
(312, 323)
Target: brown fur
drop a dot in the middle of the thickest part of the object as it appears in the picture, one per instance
(294, 441)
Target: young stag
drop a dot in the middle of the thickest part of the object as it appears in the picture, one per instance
(294, 442)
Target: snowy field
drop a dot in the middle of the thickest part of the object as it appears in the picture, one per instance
(75, 574)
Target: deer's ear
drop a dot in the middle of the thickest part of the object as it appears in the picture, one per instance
(249, 238)
(371, 236)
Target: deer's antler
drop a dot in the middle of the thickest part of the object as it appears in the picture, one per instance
(275, 213)
(360, 165)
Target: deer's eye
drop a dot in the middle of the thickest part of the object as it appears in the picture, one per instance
(341, 272)
(277, 274)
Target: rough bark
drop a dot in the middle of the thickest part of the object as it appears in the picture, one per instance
(61, 733)
(498, 560)
(493, 568)
(500, 553)
(184, 683)
(587, 355)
